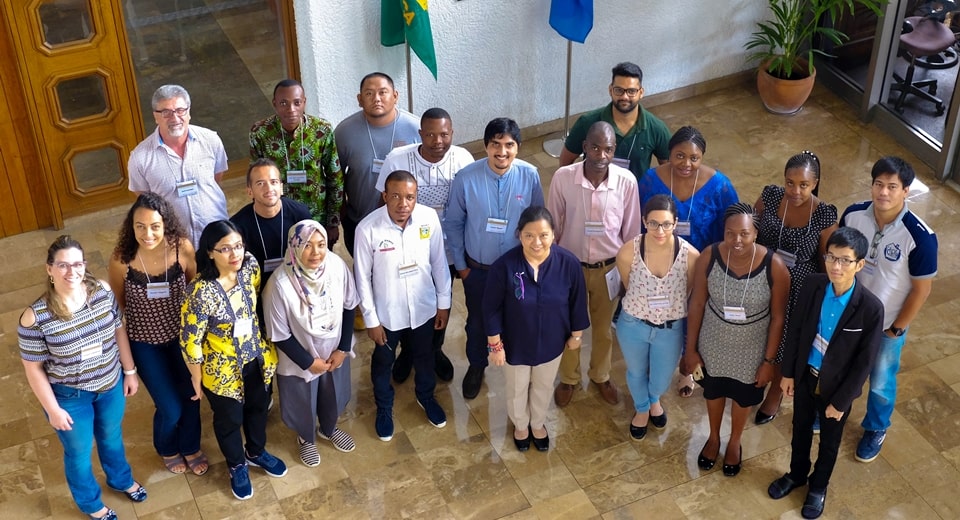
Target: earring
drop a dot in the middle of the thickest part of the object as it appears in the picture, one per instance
(51, 279)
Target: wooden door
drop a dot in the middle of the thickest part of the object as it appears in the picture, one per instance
(81, 95)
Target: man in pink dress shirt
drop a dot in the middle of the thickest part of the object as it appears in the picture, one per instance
(596, 209)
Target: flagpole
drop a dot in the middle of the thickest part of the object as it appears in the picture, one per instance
(554, 146)
(409, 81)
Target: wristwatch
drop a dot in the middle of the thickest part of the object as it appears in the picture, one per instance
(897, 331)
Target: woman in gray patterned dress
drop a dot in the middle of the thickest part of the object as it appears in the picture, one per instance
(735, 323)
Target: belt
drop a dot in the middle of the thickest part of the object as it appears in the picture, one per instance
(813, 371)
(665, 325)
(473, 264)
(598, 265)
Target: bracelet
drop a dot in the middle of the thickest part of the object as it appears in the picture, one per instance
(130, 372)
(578, 338)
(772, 361)
(494, 347)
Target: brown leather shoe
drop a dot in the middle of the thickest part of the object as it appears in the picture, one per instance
(608, 391)
(563, 394)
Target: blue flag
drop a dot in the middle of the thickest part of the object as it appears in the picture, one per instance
(573, 19)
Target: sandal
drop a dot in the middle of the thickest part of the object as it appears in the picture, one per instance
(685, 386)
(198, 464)
(137, 495)
(175, 464)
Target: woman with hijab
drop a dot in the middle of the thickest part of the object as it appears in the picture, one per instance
(308, 314)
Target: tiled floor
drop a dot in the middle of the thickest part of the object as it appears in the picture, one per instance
(470, 469)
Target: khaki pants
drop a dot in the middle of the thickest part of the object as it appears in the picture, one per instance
(529, 390)
(601, 312)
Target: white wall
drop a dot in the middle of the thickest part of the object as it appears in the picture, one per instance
(501, 57)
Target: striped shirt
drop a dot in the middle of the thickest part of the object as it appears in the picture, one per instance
(82, 352)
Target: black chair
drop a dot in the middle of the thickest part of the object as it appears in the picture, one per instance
(922, 36)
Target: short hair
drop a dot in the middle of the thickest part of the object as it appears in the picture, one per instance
(660, 202)
(257, 163)
(601, 127)
(285, 84)
(533, 214)
(628, 70)
(173, 231)
(894, 164)
(435, 113)
(741, 208)
(808, 160)
(688, 134)
(377, 75)
(852, 238)
(399, 176)
(169, 92)
(501, 126)
(213, 233)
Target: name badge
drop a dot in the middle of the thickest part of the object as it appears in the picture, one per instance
(156, 290)
(187, 188)
(272, 264)
(659, 301)
(788, 258)
(623, 163)
(820, 344)
(870, 267)
(243, 327)
(296, 176)
(406, 271)
(91, 350)
(732, 313)
(377, 165)
(424, 232)
(683, 228)
(594, 229)
(497, 225)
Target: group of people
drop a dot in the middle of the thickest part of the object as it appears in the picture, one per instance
(738, 297)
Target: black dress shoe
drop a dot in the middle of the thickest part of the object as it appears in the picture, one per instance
(731, 470)
(762, 418)
(472, 381)
(402, 365)
(522, 444)
(540, 444)
(659, 421)
(443, 367)
(638, 432)
(813, 505)
(782, 487)
(704, 463)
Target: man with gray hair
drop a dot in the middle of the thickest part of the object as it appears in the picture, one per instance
(161, 164)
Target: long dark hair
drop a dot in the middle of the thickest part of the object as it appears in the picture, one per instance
(54, 303)
(213, 233)
(173, 232)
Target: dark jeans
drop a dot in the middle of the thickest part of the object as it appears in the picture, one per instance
(176, 421)
(230, 415)
(806, 405)
(420, 343)
(473, 287)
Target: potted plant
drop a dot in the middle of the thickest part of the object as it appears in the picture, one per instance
(785, 47)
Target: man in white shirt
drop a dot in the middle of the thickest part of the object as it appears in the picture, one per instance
(434, 163)
(404, 284)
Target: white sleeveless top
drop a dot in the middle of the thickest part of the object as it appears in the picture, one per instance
(643, 285)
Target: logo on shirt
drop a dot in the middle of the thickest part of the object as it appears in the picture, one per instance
(424, 231)
(520, 198)
(892, 252)
(385, 246)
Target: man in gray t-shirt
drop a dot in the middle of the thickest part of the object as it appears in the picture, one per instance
(363, 141)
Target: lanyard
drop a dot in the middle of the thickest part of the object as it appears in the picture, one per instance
(696, 179)
(726, 272)
(392, 136)
(264, 244)
(784, 220)
(283, 137)
(144, 266)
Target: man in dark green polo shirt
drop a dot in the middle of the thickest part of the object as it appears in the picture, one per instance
(640, 134)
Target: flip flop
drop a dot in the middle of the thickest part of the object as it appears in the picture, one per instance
(175, 464)
(686, 386)
(198, 464)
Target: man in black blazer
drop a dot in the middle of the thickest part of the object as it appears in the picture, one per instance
(831, 343)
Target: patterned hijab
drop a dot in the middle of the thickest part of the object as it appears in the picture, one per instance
(308, 283)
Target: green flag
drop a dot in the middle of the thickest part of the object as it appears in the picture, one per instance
(408, 20)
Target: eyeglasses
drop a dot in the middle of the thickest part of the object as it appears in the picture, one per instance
(167, 113)
(76, 266)
(843, 261)
(518, 288)
(225, 250)
(875, 244)
(666, 226)
(631, 92)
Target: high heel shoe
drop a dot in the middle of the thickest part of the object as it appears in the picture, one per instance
(704, 463)
(763, 418)
(731, 470)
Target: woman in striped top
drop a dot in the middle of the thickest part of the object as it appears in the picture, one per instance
(74, 347)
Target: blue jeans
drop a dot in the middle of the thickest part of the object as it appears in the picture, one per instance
(95, 417)
(883, 384)
(176, 422)
(651, 355)
(420, 343)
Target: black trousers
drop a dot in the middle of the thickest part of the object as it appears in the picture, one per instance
(230, 415)
(807, 403)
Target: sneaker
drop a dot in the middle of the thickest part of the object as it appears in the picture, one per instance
(270, 464)
(816, 425)
(240, 482)
(309, 455)
(341, 440)
(869, 446)
(384, 424)
(435, 413)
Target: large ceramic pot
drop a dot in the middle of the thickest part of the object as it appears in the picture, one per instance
(785, 96)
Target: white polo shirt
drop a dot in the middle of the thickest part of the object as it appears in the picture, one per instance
(906, 251)
(402, 274)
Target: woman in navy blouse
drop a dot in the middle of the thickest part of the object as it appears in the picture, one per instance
(535, 305)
